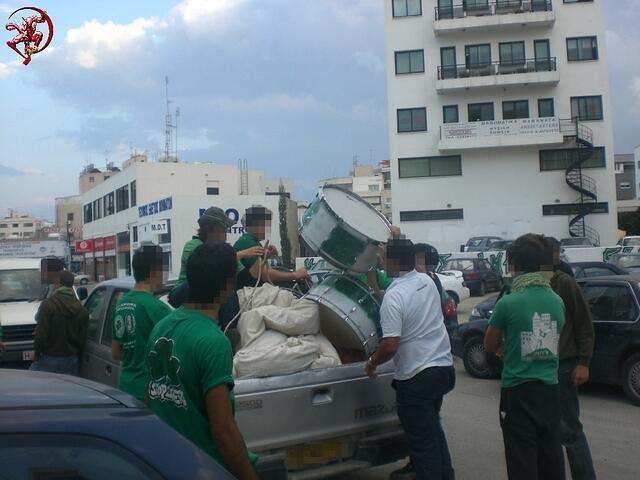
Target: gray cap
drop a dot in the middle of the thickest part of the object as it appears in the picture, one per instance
(215, 216)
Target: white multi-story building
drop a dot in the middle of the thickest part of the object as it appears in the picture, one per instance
(19, 226)
(160, 202)
(627, 186)
(491, 107)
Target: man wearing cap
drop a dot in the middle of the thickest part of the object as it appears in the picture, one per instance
(257, 223)
(213, 226)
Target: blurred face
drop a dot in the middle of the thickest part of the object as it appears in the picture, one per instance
(157, 278)
(217, 234)
(259, 228)
(421, 263)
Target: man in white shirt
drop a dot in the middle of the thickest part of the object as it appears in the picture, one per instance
(414, 335)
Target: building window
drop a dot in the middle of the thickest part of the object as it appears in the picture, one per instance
(122, 198)
(432, 215)
(70, 217)
(15, 225)
(28, 225)
(97, 209)
(88, 213)
(374, 188)
(166, 237)
(411, 61)
(134, 233)
(587, 108)
(3, 225)
(477, 56)
(580, 49)
(515, 109)
(577, 1)
(625, 186)
(412, 119)
(450, 114)
(546, 107)
(444, 166)
(561, 159)
(92, 179)
(407, 8)
(512, 53)
(480, 112)
(109, 207)
(133, 194)
(448, 67)
(213, 191)
(572, 209)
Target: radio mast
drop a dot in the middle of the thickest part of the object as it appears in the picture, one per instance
(168, 126)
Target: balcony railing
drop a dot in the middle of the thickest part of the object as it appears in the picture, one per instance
(497, 68)
(498, 7)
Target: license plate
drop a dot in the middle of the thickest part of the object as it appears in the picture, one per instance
(27, 355)
(316, 453)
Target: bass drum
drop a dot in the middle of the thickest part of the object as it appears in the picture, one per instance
(349, 313)
(344, 229)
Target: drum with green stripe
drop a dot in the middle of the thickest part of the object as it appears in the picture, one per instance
(350, 312)
(344, 229)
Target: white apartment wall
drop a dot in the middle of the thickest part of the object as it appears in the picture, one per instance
(501, 189)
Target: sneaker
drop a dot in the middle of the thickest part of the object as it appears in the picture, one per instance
(405, 473)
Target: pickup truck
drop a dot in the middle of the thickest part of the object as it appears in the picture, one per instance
(21, 292)
(307, 425)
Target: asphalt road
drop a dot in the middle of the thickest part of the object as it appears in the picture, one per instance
(470, 419)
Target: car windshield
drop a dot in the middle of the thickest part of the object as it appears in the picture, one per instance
(474, 242)
(628, 261)
(459, 265)
(21, 285)
(631, 242)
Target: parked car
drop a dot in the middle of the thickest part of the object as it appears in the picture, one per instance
(628, 261)
(615, 309)
(81, 279)
(479, 244)
(57, 426)
(575, 242)
(630, 241)
(596, 269)
(500, 244)
(454, 285)
(478, 275)
(324, 427)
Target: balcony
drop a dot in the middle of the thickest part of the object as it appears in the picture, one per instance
(501, 133)
(500, 14)
(497, 74)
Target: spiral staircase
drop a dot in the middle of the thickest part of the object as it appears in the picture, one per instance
(584, 185)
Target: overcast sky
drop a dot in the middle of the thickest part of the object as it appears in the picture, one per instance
(297, 87)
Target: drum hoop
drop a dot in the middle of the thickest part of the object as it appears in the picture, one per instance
(359, 199)
(365, 288)
(345, 316)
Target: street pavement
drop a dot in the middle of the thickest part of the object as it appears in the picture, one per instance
(470, 419)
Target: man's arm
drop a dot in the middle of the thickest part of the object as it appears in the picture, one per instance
(116, 350)
(493, 340)
(578, 308)
(43, 320)
(225, 431)
(276, 276)
(385, 352)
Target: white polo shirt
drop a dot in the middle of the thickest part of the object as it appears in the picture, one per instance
(411, 309)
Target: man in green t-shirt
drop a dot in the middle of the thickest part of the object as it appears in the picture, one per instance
(134, 317)
(525, 329)
(190, 363)
(257, 226)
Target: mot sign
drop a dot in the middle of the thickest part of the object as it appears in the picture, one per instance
(158, 227)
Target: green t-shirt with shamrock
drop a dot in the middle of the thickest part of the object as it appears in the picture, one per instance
(135, 316)
(188, 355)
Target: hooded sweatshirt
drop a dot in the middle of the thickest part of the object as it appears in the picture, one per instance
(62, 325)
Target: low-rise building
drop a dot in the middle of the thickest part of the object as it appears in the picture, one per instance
(17, 225)
(627, 168)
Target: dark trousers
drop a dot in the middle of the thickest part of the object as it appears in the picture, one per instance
(530, 421)
(419, 402)
(573, 438)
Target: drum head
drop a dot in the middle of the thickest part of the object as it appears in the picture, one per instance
(357, 213)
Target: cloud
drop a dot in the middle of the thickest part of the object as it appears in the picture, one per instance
(369, 60)
(205, 15)
(8, 68)
(279, 101)
(635, 89)
(12, 171)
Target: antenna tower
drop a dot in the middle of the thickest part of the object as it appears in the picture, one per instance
(168, 125)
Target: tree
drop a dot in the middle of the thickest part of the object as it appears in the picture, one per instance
(285, 243)
(629, 222)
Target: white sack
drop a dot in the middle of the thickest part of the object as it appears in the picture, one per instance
(327, 355)
(266, 294)
(271, 358)
(301, 318)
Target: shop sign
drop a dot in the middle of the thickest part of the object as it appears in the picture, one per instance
(98, 244)
(155, 207)
(110, 243)
(84, 246)
(159, 227)
(11, 249)
(500, 128)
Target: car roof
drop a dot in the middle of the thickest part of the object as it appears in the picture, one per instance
(20, 263)
(631, 278)
(25, 389)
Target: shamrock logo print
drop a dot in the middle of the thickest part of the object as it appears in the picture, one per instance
(119, 326)
(164, 366)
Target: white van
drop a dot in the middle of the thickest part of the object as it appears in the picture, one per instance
(21, 292)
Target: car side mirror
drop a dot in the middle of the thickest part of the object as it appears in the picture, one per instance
(82, 293)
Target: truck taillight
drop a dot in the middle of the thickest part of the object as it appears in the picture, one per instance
(450, 308)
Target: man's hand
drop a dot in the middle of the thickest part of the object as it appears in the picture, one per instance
(301, 274)
(370, 369)
(273, 251)
(395, 231)
(580, 375)
(250, 252)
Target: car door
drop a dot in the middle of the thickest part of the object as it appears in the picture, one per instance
(111, 372)
(615, 311)
(91, 365)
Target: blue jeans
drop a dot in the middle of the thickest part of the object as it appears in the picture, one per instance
(573, 438)
(66, 365)
(419, 402)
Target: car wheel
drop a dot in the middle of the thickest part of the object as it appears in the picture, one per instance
(454, 296)
(631, 378)
(84, 281)
(474, 358)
